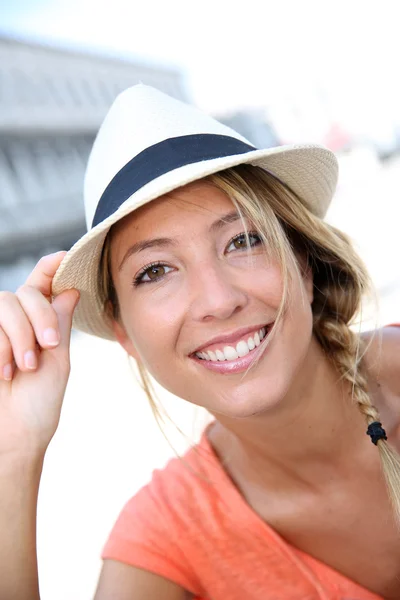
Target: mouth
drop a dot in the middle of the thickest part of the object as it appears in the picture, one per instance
(236, 357)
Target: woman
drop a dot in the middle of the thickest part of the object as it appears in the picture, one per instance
(209, 262)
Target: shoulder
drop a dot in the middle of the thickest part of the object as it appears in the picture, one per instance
(382, 355)
(127, 581)
(160, 528)
(177, 498)
(382, 362)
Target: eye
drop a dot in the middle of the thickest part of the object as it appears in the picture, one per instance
(151, 273)
(243, 241)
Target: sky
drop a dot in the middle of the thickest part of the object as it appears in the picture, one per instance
(239, 54)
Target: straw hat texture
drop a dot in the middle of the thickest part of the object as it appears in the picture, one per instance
(150, 144)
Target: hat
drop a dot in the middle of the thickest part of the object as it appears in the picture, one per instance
(150, 144)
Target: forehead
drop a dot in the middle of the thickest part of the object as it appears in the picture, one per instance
(198, 202)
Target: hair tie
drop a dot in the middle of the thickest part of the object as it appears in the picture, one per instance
(376, 432)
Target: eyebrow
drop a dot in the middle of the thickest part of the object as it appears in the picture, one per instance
(168, 242)
(145, 245)
(225, 220)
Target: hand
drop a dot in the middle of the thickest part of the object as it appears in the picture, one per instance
(34, 359)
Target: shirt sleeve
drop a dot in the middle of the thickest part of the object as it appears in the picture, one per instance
(148, 534)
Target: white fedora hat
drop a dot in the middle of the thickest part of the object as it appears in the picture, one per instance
(150, 144)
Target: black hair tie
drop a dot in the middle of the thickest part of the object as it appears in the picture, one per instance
(376, 432)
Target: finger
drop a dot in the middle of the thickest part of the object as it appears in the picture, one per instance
(6, 357)
(64, 305)
(42, 275)
(19, 331)
(41, 315)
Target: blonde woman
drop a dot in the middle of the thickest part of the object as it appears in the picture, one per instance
(210, 263)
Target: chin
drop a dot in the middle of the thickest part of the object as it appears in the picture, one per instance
(246, 400)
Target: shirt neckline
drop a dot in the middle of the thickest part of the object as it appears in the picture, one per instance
(310, 566)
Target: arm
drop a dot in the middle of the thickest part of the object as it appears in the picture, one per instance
(34, 371)
(19, 484)
(118, 580)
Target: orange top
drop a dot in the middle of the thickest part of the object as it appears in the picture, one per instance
(191, 525)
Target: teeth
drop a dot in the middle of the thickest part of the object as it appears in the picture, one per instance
(242, 348)
(230, 353)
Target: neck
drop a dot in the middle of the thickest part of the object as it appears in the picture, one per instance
(308, 436)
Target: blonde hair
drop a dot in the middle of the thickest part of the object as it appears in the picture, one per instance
(287, 226)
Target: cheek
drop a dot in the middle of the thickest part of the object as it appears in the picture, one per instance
(265, 286)
(298, 325)
(153, 326)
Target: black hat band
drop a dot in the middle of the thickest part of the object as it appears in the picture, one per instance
(161, 158)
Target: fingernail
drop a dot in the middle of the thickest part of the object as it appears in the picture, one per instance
(8, 372)
(51, 336)
(30, 359)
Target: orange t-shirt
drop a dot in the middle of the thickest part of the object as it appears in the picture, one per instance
(191, 525)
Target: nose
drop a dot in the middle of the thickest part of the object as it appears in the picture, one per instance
(216, 293)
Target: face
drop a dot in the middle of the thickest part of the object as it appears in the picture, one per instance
(198, 300)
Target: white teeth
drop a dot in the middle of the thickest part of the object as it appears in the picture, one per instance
(242, 348)
(230, 353)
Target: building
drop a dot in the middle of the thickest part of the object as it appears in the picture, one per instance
(52, 102)
(254, 126)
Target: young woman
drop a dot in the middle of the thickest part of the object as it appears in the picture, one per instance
(209, 262)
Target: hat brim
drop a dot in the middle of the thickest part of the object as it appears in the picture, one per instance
(310, 171)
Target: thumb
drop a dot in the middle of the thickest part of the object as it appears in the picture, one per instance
(64, 305)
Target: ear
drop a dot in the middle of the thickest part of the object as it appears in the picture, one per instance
(124, 340)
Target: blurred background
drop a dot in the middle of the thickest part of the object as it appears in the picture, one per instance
(283, 72)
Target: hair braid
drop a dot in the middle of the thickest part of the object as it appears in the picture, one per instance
(344, 347)
(346, 350)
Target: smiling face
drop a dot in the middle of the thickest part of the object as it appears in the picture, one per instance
(198, 299)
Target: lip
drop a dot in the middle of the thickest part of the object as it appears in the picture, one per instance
(231, 338)
(228, 367)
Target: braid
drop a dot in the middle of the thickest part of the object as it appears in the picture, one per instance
(344, 346)
(345, 349)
